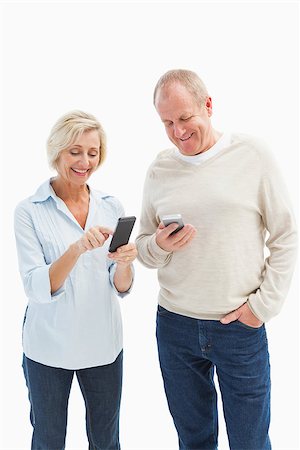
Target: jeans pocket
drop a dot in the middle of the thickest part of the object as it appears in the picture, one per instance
(162, 311)
(248, 327)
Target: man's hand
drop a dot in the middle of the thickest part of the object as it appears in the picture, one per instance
(242, 314)
(178, 240)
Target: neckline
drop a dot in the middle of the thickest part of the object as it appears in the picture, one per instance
(196, 167)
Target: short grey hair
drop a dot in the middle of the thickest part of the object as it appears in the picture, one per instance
(190, 80)
(68, 129)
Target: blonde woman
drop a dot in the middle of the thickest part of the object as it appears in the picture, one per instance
(72, 322)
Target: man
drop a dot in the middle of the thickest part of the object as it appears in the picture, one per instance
(216, 287)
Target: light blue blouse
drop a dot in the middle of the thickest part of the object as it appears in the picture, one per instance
(80, 325)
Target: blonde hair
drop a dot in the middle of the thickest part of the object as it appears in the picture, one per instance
(68, 129)
(190, 80)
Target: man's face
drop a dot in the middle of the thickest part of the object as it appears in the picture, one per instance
(187, 123)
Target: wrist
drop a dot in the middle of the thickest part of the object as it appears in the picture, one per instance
(123, 267)
(76, 250)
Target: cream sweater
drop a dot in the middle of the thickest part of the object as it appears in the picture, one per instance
(236, 200)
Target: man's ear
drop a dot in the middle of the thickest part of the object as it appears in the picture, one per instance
(208, 106)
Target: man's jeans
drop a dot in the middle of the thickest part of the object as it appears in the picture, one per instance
(49, 390)
(189, 352)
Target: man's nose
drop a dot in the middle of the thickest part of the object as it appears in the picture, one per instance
(179, 131)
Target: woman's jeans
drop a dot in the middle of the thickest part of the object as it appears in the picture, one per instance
(189, 352)
(49, 390)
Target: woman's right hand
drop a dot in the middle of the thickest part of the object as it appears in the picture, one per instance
(93, 238)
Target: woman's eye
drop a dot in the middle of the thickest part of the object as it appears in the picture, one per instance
(73, 153)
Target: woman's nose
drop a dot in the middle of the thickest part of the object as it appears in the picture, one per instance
(84, 160)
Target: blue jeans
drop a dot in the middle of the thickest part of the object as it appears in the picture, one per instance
(189, 352)
(49, 390)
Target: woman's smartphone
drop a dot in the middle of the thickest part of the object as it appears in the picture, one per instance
(173, 218)
(122, 232)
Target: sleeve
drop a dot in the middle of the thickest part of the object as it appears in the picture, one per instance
(279, 221)
(112, 269)
(32, 265)
(149, 253)
(119, 210)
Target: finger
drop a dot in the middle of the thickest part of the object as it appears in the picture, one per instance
(105, 230)
(184, 234)
(126, 248)
(231, 317)
(123, 260)
(99, 236)
(169, 229)
(86, 243)
(185, 241)
(129, 254)
(92, 239)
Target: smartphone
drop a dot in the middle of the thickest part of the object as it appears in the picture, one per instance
(173, 218)
(122, 232)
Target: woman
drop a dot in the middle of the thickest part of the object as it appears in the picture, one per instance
(73, 323)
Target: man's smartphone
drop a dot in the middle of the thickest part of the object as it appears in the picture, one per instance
(122, 232)
(173, 218)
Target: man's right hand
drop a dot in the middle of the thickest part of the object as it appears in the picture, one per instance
(178, 240)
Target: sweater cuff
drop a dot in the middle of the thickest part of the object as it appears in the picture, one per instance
(155, 250)
(259, 309)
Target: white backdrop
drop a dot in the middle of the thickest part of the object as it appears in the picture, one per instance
(105, 58)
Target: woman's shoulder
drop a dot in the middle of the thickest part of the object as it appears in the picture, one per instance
(109, 201)
(41, 194)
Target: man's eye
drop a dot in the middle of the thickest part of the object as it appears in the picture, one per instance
(185, 119)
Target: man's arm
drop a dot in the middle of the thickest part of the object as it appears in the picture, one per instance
(278, 218)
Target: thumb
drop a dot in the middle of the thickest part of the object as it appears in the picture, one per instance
(231, 317)
(105, 231)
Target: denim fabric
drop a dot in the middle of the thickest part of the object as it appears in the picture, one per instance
(190, 350)
(49, 390)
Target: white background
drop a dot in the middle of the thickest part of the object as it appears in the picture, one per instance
(105, 58)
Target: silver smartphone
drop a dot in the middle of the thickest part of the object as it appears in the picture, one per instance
(172, 218)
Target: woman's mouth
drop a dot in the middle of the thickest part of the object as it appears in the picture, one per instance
(80, 172)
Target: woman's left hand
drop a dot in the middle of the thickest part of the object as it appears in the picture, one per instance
(124, 255)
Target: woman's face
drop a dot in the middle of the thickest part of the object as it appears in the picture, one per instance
(76, 163)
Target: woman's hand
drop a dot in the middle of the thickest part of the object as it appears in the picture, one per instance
(124, 255)
(93, 238)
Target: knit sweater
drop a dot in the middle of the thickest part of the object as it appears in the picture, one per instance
(245, 246)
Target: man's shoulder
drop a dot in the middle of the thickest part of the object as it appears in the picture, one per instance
(254, 145)
(165, 154)
(164, 159)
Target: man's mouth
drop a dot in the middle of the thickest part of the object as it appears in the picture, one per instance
(186, 139)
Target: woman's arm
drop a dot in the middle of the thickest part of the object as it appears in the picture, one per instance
(124, 257)
(60, 269)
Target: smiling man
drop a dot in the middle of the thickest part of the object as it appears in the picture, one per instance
(217, 290)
